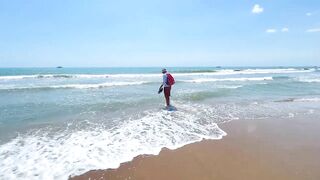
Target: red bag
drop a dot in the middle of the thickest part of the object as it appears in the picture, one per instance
(170, 79)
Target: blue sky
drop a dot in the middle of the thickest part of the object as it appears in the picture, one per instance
(102, 33)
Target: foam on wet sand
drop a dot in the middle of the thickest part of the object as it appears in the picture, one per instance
(260, 149)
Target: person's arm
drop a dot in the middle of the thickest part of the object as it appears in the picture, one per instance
(164, 82)
(160, 89)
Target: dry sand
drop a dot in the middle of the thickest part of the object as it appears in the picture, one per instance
(256, 149)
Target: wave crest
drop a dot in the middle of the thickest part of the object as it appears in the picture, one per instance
(176, 73)
(201, 80)
(77, 86)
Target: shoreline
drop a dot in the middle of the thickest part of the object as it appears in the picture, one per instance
(253, 149)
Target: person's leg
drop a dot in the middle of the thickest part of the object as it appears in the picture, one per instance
(167, 95)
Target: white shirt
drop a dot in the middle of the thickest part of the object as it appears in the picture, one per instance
(165, 80)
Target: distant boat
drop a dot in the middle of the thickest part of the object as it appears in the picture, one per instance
(59, 66)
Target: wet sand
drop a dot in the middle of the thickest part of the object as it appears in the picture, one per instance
(256, 149)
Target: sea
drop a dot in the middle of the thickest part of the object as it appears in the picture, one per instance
(61, 122)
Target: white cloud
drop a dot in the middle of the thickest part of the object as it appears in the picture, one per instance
(309, 14)
(271, 31)
(313, 30)
(257, 9)
(285, 29)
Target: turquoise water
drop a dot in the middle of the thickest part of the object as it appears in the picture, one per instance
(78, 119)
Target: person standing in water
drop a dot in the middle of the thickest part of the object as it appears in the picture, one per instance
(167, 82)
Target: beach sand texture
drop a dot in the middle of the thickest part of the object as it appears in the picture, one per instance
(264, 149)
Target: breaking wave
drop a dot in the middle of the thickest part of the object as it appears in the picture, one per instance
(201, 80)
(176, 73)
(76, 86)
(73, 151)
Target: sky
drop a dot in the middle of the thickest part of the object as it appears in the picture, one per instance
(103, 33)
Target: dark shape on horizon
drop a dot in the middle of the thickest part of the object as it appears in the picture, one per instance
(59, 66)
(218, 66)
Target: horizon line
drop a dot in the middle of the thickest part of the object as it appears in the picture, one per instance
(217, 66)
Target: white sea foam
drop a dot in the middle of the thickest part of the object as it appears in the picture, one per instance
(315, 99)
(230, 87)
(16, 77)
(311, 80)
(101, 85)
(307, 99)
(250, 71)
(274, 71)
(201, 80)
(74, 151)
(76, 86)
(218, 72)
(83, 76)
(53, 85)
(291, 115)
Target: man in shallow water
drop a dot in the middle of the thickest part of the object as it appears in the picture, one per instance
(166, 87)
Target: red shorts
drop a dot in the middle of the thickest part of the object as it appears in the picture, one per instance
(167, 91)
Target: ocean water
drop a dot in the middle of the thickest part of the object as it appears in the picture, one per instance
(60, 122)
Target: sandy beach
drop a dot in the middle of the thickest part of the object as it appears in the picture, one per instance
(255, 149)
(160, 90)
